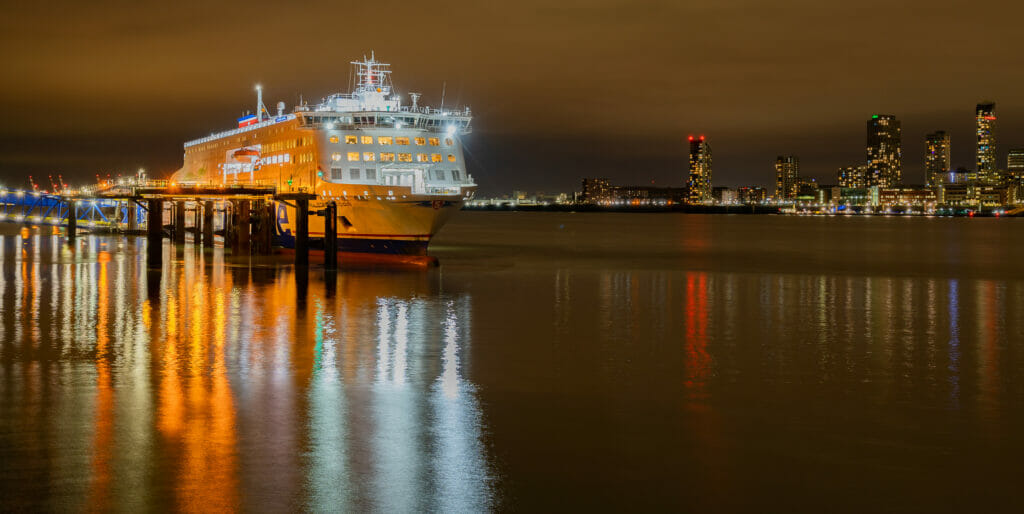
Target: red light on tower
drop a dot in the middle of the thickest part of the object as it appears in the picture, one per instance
(691, 138)
(702, 137)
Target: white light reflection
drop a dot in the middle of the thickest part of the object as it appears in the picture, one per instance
(463, 481)
(329, 477)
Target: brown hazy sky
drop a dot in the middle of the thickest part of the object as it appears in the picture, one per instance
(560, 90)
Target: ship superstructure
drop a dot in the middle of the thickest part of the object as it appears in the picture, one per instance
(396, 171)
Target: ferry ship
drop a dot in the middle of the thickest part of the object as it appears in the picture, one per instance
(396, 171)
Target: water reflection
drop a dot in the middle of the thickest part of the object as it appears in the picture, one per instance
(209, 386)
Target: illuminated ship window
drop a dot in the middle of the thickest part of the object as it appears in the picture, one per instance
(384, 140)
(448, 141)
(422, 157)
(420, 141)
(435, 157)
(387, 156)
(405, 157)
(451, 158)
(434, 141)
(369, 156)
(371, 173)
(350, 140)
(334, 139)
(336, 174)
(367, 140)
(335, 156)
(401, 141)
(353, 174)
(353, 156)
(456, 176)
(287, 157)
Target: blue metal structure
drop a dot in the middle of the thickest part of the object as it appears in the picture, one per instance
(29, 207)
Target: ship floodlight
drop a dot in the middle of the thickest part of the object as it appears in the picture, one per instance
(330, 126)
(451, 130)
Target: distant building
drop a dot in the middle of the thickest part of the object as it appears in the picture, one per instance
(985, 160)
(853, 177)
(936, 157)
(599, 191)
(596, 190)
(699, 183)
(807, 190)
(1015, 163)
(787, 177)
(724, 195)
(751, 194)
(908, 196)
(885, 157)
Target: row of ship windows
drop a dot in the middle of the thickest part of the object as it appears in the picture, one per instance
(371, 174)
(389, 140)
(391, 157)
(268, 147)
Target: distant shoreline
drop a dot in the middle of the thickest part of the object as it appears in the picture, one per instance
(714, 209)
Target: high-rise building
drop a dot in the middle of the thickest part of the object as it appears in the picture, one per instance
(936, 157)
(985, 161)
(787, 177)
(1015, 163)
(885, 158)
(596, 190)
(699, 184)
(853, 176)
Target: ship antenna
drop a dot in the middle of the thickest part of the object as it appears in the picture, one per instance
(259, 104)
(444, 88)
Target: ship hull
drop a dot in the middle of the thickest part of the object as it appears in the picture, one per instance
(386, 224)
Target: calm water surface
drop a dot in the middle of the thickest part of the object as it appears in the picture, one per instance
(552, 362)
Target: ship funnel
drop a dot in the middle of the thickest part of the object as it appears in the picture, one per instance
(280, 108)
(415, 98)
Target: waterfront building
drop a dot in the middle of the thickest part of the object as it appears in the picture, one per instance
(936, 157)
(884, 154)
(1015, 163)
(807, 190)
(724, 195)
(699, 183)
(787, 177)
(596, 190)
(908, 196)
(853, 176)
(985, 159)
(751, 194)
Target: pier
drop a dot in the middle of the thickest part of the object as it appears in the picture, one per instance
(243, 215)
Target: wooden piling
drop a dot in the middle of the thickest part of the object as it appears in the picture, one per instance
(244, 226)
(179, 222)
(331, 236)
(154, 232)
(302, 232)
(197, 223)
(72, 219)
(208, 224)
(133, 217)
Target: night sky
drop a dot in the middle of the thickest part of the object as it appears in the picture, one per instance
(560, 90)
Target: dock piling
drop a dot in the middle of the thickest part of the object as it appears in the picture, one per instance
(302, 232)
(331, 235)
(72, 219)
(208, 224)
(154, 232)
(179, 222)
(244, 226)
